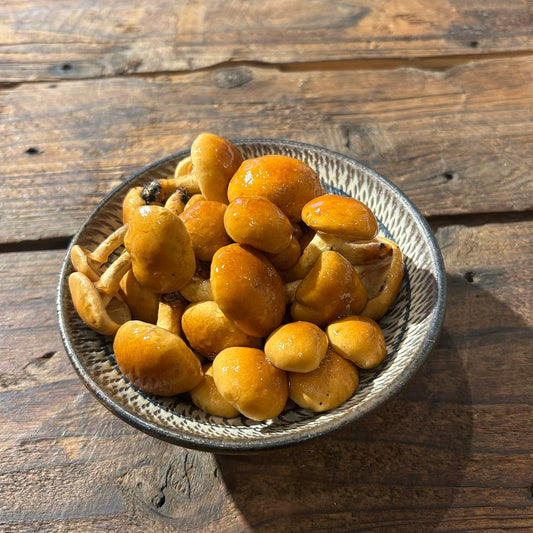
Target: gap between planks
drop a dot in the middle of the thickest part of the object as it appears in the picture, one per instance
(435, 222)
(430, 63)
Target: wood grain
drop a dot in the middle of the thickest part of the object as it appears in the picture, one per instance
(91, 40)
(448, 139)
(452, 452)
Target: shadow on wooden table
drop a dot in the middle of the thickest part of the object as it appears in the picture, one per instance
(398, 469)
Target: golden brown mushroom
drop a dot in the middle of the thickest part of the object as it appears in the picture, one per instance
(177, 201)
(204, 221)
(288, 257)
(246, 379)
(208, 330)
(256, 221)
(330, 290)
(382, 281)
(206, 396)
(198, 288)
(248, 289)
(162, 256)
(342, 216)
(358, 339)
(155, 358)
(296, 347)
(97, 303)
(214, 161)
(142, 302)
(327, 387)
(158, 191)
(90, 263)
(357, 252)
(285, 181)
(132, 201)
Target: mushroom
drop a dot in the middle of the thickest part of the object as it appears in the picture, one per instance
(206, 396)
(198, 288)
(330, 290)
(248, 381)
(193, 199)
(256, 221)
(208, 330)
(296, 347)
(288, 257)
(327, 387)
(177, 201)
(382, 281)
(204, 221)
(248, 289)
(357, 252)
(97, 303)
(132, 201)
(162, 256)
(285, 181)
(214, 161)
(342, 216)
(90, 263)
(358, 339)
(142, 302)
(158, 191)
(183, 168)
(154, 357)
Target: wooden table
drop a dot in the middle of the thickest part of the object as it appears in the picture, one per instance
(435, 95)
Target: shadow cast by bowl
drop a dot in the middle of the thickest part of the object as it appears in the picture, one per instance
(380, 470)
(397, 469)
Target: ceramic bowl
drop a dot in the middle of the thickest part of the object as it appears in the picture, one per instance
(411, 326)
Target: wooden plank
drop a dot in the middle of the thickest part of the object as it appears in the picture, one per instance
(84, 40)
(452, 452)
(448, 139)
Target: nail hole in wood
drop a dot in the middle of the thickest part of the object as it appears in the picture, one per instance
(469, 276)
(33, 151)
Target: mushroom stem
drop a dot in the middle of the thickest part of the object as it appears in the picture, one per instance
(109, 282)
(91, 300)
(89, 263)
(158, 191)
(170, 311)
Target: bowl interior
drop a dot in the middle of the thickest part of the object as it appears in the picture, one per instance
(411, 326)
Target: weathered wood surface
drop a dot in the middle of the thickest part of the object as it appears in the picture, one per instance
(437, 96)
(456, 141)
(94, 39)
(452, 452)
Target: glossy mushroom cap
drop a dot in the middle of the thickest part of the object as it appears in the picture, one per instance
(156, 360)
(327, 387)
(208, 330)
(162, 256)
(214, 161)
(296, 347)
(358, 339)
(248, 289)
(330, 290)
(206, 396)
(287, 182)
(246, 379)
(205, 223)
(342, 216)
(256, 221)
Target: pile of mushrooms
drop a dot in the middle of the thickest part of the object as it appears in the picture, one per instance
(241, 283)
